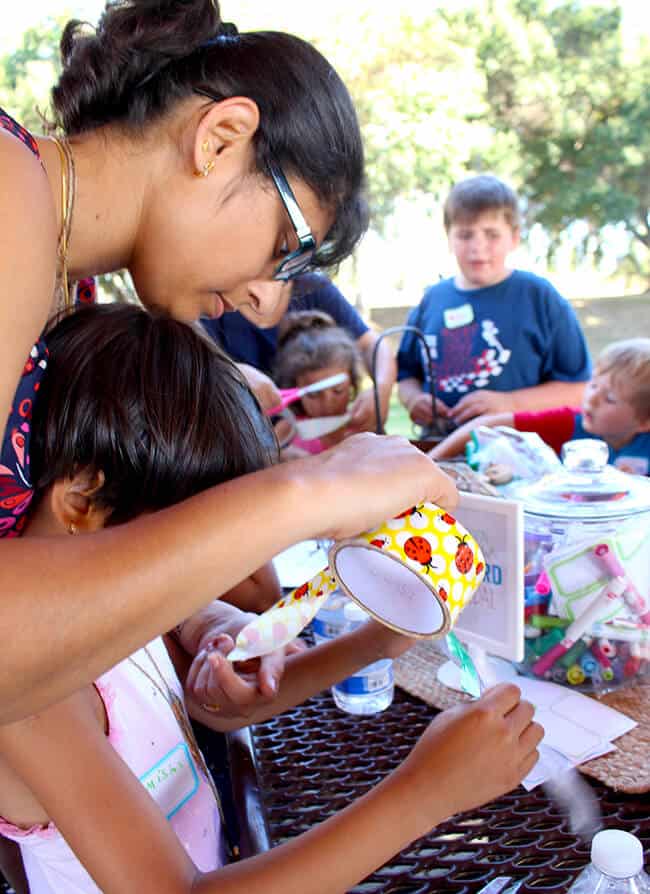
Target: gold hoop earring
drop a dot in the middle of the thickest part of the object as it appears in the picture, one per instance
(72, 528)
(205, 145)
(205, 170)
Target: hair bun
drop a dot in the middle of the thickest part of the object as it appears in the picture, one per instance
(295, 322)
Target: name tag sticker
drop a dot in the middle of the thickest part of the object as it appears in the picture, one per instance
(454, 317)
(173, 780)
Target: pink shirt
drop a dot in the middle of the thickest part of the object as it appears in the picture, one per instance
(144, 732)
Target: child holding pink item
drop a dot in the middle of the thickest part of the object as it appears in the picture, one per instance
(312, 347)
(107, 790)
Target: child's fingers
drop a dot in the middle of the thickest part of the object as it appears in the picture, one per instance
(190, 681)
(231, 687)
(503, 697)
(295, 647)
(270, 673)
(200, 685)
(520, 717)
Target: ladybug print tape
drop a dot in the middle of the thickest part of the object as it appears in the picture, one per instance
(432, 549)
(432, 543)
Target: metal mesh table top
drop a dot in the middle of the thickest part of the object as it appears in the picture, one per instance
(313, 760)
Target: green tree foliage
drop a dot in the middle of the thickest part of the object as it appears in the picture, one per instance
(27, 74)
(417, 95)
(561, 82)
(544, 92)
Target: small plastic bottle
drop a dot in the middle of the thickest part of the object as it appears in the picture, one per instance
(371, 689)
(616, 866)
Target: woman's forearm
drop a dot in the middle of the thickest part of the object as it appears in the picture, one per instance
(84, 603)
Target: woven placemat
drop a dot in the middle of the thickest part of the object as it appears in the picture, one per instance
(626, 770)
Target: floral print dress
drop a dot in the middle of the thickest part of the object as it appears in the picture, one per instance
(16, 489)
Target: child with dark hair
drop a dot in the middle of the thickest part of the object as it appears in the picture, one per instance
(500, 339)
(312, 347)
(107, 790)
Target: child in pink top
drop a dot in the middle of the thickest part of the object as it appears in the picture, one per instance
(106, 790)
(312, 347)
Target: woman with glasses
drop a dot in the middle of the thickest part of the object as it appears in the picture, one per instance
(214, 166)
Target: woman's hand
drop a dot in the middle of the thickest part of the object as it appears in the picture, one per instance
(368, 479)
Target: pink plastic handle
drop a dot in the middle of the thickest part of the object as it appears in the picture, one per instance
(632, 596)
(609, 560)
(288, 397)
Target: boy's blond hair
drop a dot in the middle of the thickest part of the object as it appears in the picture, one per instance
(475, 195)
(628, 364)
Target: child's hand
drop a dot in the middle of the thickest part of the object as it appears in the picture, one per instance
(479, 402)
(470, 755)
(362, 411)
(421, 411)
(234, 691)
(367, 479)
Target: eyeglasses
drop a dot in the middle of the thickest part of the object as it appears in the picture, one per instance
(298, 261)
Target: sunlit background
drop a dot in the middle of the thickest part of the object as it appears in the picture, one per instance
(433, 103)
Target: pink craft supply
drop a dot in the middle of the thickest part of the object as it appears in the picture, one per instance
(543, 584)
(632, 597)
(607, 648)
(612, 594)
(599, 655)
(548, 659)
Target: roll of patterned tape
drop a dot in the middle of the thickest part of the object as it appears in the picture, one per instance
(415, 574)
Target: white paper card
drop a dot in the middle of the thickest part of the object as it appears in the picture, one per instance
(494, 619)
(298, 564)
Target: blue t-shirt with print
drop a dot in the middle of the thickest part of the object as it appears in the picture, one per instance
(516, 334)
(632, 457)
(247, 343)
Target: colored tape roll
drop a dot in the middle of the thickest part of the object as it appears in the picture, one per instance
(415, 574)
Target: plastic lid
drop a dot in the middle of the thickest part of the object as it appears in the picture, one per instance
(585, 486)
(617, 853)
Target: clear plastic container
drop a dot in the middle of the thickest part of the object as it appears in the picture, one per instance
(616, 866)
(586, 501)
(371, 689)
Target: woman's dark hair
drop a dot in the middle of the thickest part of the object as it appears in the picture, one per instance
(309, 340)
(150, 402)
(147, 55)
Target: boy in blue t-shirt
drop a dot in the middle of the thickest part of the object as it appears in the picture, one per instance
(615, 408)
(500, 339)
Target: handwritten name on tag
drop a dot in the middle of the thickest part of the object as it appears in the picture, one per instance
(173, 780)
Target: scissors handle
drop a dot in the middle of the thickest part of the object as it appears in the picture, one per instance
(291, 394)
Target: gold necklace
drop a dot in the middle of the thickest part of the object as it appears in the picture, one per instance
(179, 711)
(68, 188)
